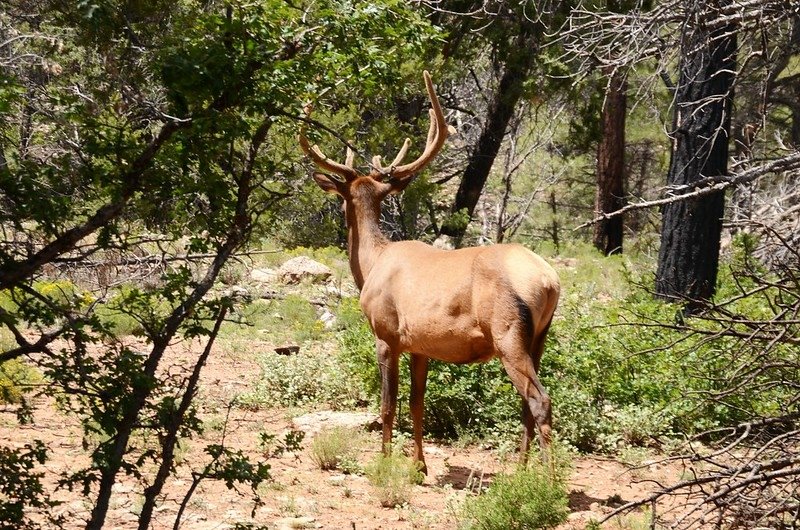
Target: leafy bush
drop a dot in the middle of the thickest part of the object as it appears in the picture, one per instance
(393, 476)
(527, 499)
(307, 378)
(16, 378)
(21, 489)
(292, 319)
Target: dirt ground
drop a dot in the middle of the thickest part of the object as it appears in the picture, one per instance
(301, 495)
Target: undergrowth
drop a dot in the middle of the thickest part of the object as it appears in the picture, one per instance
(618, 376)
(531, 497)
(393, 477)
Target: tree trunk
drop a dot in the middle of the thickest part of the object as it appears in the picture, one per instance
(611, 167)
(690, 234)
(480, 163)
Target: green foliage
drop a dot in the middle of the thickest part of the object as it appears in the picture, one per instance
(271, 446)
(616, 376)
(393, 476)
(309, 378)
(529, 498)
(21, 489)
(456, 221)
(180, 139)
(313, 219)
(234, 467)
(16, 379)
(335, 448)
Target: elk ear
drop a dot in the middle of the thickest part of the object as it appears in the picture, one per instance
(327, 183)
(398, 185)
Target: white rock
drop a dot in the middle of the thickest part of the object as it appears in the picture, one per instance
(297, 269)
(328, 319)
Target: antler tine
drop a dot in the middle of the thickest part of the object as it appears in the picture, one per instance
(345, 170)
(325, 163)
(437, 134)
(379, 171)
(402, 154)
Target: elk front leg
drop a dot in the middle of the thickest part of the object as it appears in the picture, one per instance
(419, 379)
(388, 363)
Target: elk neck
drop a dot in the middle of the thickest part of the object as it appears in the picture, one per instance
(365, 241)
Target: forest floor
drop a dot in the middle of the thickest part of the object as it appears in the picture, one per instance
(300, 494)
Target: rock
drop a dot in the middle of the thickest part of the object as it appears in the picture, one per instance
(337, 480)
(328, 319)
(238, 292)
(297, 269)
(265, 275)
(316, 421)
(287, 350)
(444, 242)
(289, 523)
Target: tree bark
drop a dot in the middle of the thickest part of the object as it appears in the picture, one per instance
(690, 234)
(609, 196)
(508, 94)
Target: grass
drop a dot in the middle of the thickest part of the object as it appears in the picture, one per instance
(336, 448)
(393, 477)
(313, 377)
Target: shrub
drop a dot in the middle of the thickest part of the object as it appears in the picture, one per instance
(293, 318)
(527, 499)
(307, 378)
(393, 476)
(16, 378)
(335, 449)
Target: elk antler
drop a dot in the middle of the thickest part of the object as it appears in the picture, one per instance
(345, 170)
(437, 134)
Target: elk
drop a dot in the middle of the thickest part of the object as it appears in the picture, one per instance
(462, 306)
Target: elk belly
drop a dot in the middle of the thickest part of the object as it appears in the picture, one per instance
(456, 340)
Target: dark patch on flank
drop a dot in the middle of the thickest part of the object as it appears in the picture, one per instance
(525, 316)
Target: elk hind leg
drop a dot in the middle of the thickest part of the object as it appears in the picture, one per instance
(537, 412)
(419, 376)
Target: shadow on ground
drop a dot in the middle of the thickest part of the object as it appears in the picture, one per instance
(461, 478)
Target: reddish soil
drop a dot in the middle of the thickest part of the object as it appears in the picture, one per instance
(301, 495)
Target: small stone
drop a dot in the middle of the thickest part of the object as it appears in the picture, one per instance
(290, 523)
(328, 319)
(337, 480)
